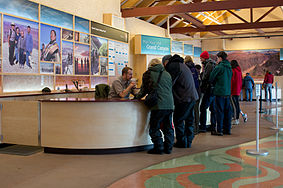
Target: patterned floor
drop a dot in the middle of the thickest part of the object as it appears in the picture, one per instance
(226, 167)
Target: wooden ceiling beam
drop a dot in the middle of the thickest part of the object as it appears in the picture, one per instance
(219, 33)
(236, 15)
(199, 7)
(257, 25)
(263, 16)
(196, 22)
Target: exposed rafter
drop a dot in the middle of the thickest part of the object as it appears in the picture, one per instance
(257, 25)
(200, 7)
(263, 16)
(193, 20)
(236, 15)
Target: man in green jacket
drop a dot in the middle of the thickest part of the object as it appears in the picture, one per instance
(221, 79)
(162, 111)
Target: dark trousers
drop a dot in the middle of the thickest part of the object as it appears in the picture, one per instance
(156, 118)
(11, 52)
(183, 121)
(22, 57)
(207, 101)
(223, 114)
(196, 114)
(236, 106)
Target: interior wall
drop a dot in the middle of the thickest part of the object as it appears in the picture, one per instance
(136, 26)
(89, 9)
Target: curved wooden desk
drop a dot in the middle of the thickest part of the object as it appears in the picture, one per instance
(89, 125)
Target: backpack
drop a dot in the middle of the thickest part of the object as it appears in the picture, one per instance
(152, 97)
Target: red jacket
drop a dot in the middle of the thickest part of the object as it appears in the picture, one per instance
(268, 78)
(236, 81)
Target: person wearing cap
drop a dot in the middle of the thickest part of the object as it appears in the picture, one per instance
(221, 77)
(208, 99)
(165, 59)
(185, 95)
(12, 43)
(161, 113)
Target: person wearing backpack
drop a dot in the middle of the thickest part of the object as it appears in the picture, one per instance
(185, 96)
(208, 99)
(162, 111)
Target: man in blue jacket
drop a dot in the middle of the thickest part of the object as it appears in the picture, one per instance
(249, 85)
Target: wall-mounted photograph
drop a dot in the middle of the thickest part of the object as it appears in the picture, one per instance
(20, 45)
(84, 38)
(50, 38)
(99, 47)
(0, 36)
(256, 62)
(81, 59)
(55, 17)
(22, 8)
(46, 68)
(77, 36)
(98, 80)
(57, 68)
(67, 34)
(81, 24)
(103, 62)
(67, 57)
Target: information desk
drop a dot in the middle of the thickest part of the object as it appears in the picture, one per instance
(77, 125)
(89, 125)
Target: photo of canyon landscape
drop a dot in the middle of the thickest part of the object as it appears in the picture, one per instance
(256, 62)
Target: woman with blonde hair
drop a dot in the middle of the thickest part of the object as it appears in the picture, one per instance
(162, 111)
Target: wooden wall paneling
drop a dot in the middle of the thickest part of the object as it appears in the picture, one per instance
(20, 122)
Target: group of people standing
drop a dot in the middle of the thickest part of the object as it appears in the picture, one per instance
(183, 92)
(20, 46)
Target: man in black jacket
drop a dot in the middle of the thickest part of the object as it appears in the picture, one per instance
(185, 95)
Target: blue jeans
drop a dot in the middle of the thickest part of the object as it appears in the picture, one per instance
(207, 101)
(268, 88)
(183, 119)
(249, 94)
(223, 114)
(27, 59)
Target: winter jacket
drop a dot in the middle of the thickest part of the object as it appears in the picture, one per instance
(221, 77)
(164, 88)
(191, 66)
(183, 86)
(268, 78)
(248, 82)
(209, 66)
(236, 81)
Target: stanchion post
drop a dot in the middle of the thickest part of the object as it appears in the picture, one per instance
(277, 121)
(257, 151)
(260, 107)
